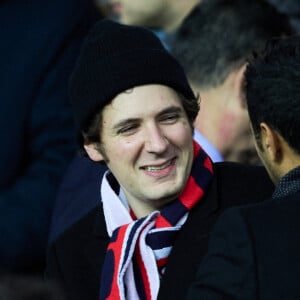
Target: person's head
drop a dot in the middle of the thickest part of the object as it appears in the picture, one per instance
(135, 109)
(160, 14)
(272, 89)
(213, 44)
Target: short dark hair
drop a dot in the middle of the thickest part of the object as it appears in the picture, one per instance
(272, 89)
(220, 35)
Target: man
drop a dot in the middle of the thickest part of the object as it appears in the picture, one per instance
(163, 17)
(135, 110)
(213, 45)
(254, 250)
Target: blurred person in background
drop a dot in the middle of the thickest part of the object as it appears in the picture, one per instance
(40, 41)
(161, 16)
(166, 15)
(213, 45)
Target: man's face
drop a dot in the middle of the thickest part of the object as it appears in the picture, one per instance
(139, 12)
(148, 145)
(224, 120)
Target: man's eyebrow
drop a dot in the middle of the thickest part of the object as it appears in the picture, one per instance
(170, 109)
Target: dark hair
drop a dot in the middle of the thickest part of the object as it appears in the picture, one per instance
(220, 35)
(272, 89)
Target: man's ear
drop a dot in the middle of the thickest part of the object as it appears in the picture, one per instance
(271, 142)
(93, 152)
(239, 85)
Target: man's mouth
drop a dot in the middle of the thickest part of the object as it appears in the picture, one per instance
(158, 168)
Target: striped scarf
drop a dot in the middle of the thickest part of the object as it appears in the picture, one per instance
(138, 251)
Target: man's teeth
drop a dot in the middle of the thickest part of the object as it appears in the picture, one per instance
(152, 168)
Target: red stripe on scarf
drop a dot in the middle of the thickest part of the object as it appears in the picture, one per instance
(188, 195)
(208, 164)
(162, 262)
(161, 222)
(197, 148)
(132, 215)
(116, 247)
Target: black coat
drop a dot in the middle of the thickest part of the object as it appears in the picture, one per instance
(254, 253)
(76, 257)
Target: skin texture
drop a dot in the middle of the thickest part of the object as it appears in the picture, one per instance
(224, 120)
(161, 14)
(137, 12)
(147, 144)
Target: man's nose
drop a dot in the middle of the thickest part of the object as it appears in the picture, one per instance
(155, 140)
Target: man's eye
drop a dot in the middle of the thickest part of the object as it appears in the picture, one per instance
(171, 118)
(127, 129)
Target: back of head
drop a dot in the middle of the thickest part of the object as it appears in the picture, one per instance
(273, 89)
(219, 35)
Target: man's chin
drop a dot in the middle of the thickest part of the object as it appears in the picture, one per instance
(164, 197)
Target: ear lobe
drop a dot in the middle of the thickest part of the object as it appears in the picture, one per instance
(93, 152)
(271, 142)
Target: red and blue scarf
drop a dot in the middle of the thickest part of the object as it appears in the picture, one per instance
(138, 251)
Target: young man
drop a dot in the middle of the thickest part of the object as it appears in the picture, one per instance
(254, 250)
(135, 110)
(163, 17)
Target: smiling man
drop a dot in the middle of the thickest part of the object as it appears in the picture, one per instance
(147, 145)
(161, 194)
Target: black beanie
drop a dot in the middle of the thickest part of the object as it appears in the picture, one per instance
(115, 58)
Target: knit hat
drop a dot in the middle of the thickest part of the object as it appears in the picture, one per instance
(115, 58)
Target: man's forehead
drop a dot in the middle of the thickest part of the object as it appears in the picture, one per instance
(142, 101)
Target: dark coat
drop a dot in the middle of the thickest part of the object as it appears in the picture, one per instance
(78, 193)
(254, 253)
(40, 41)
(76, 257)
